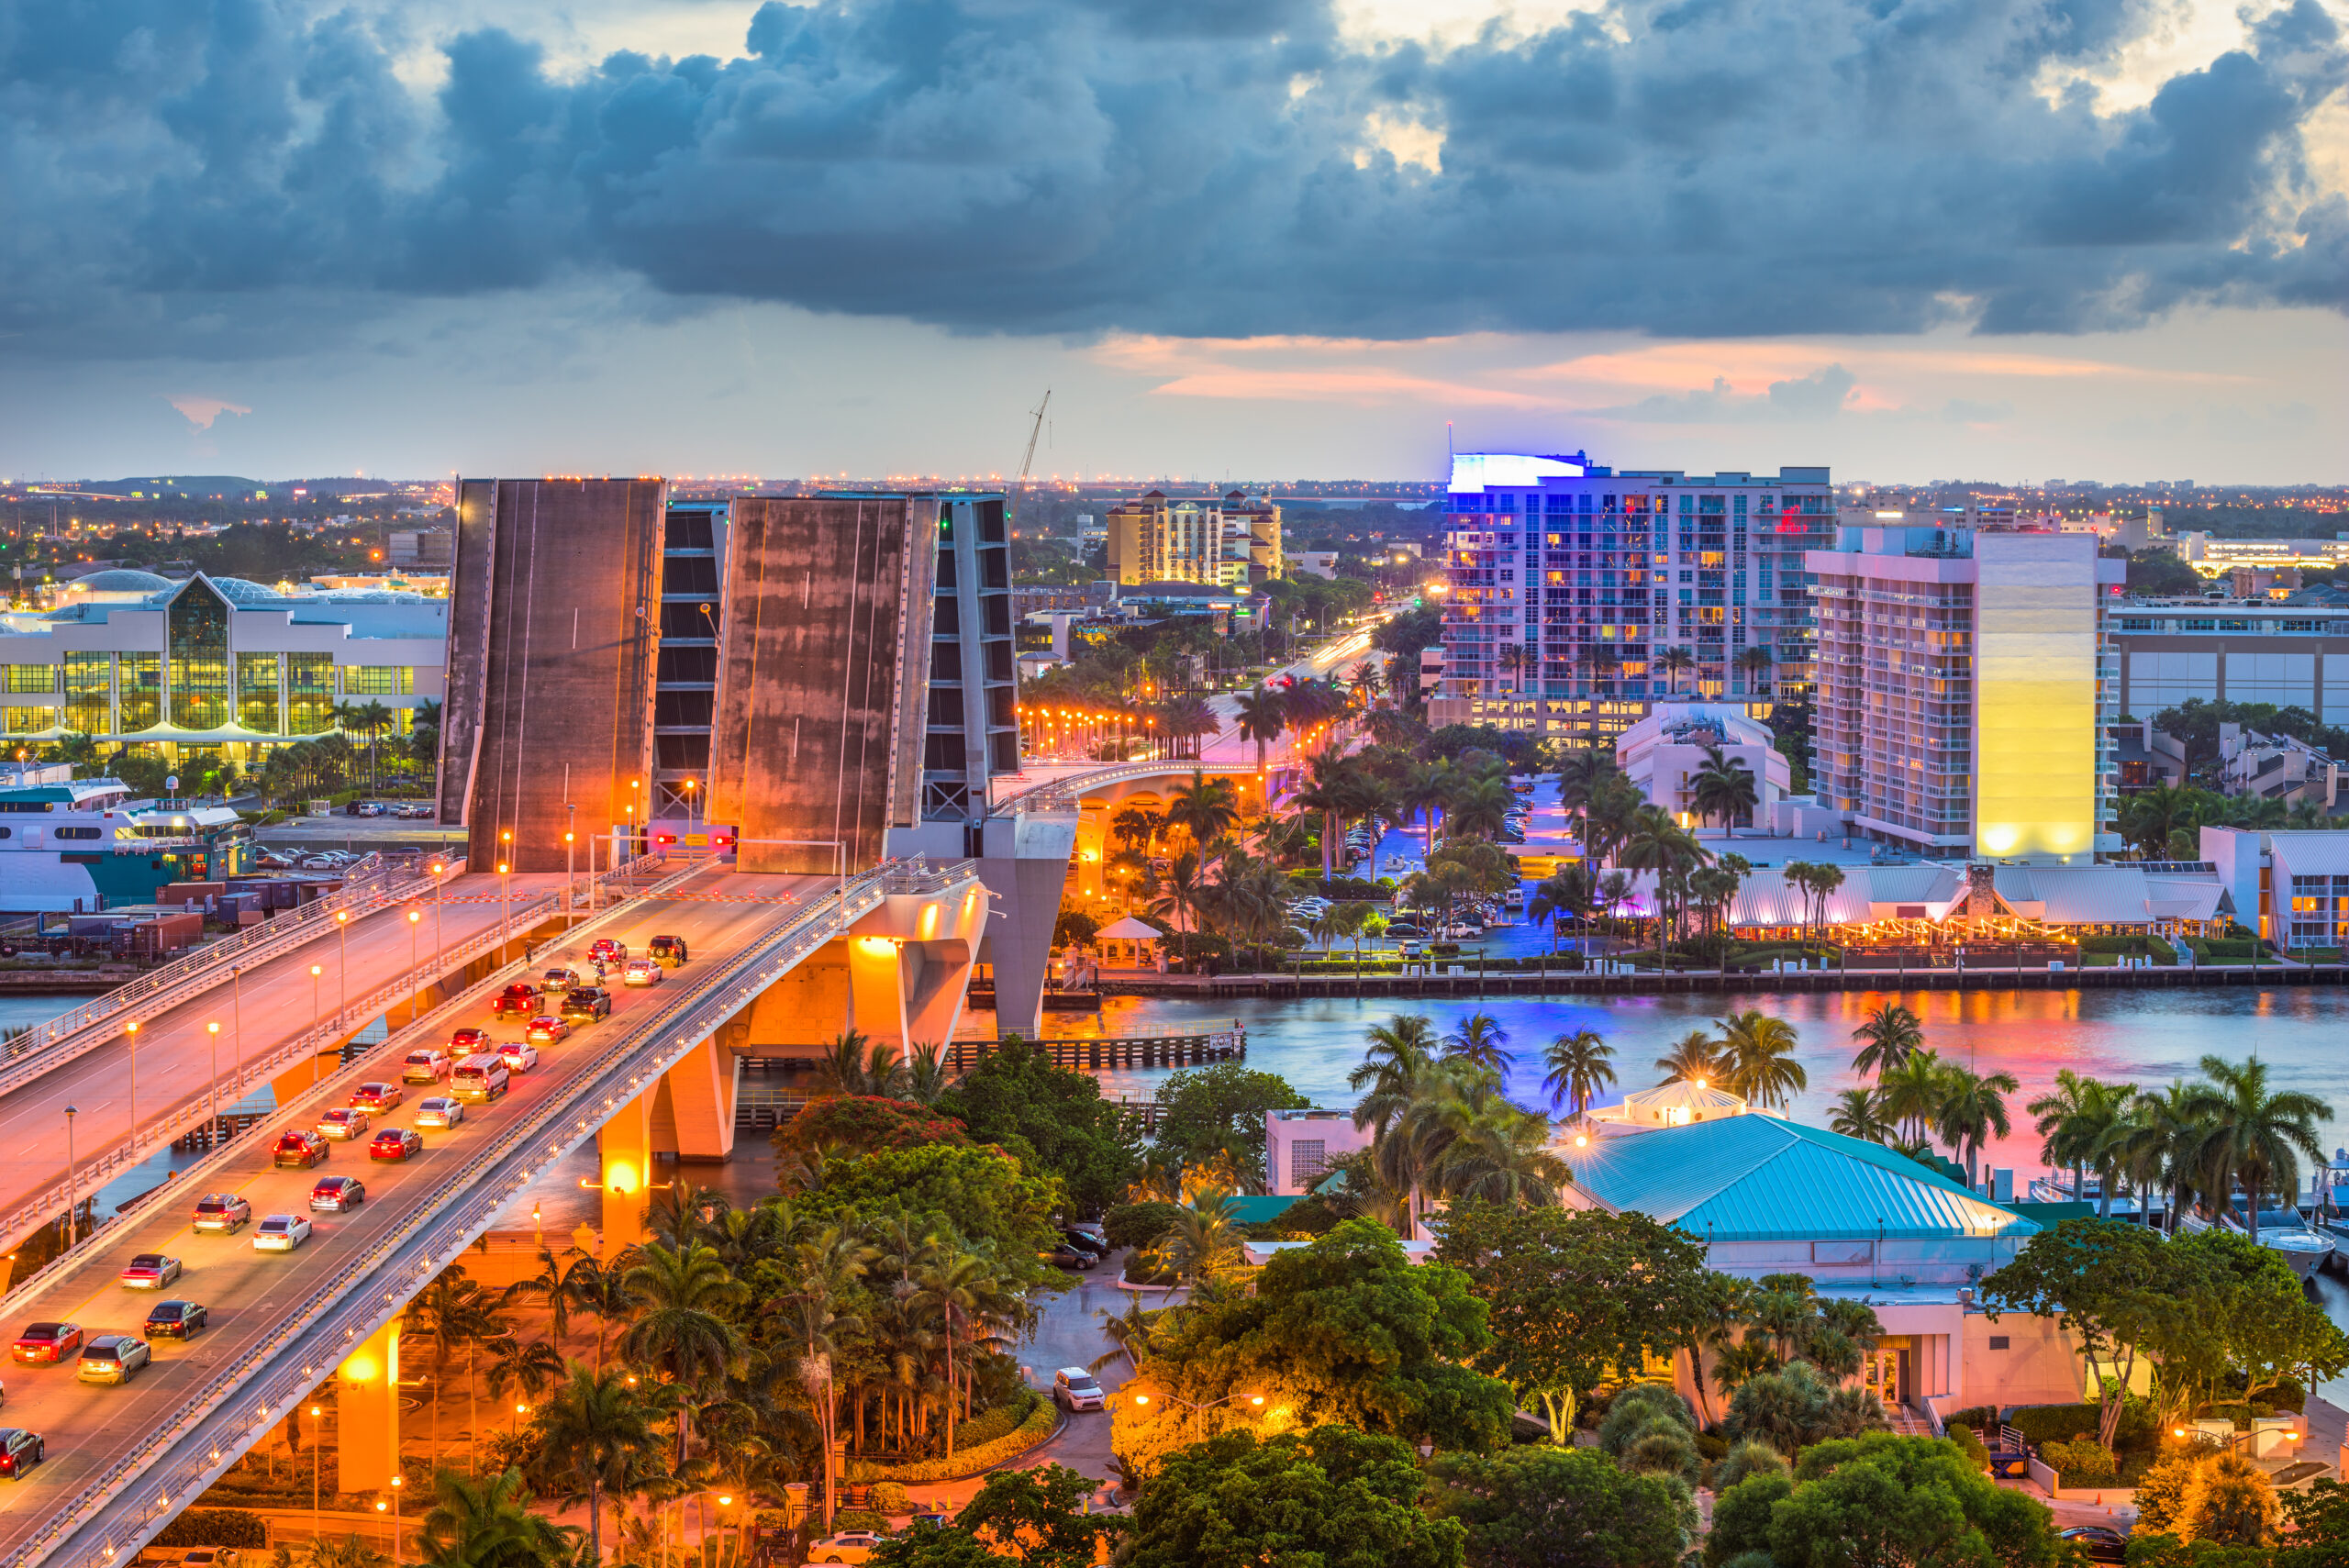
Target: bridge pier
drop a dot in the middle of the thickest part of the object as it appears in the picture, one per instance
(367, 1413)
(624, 1158)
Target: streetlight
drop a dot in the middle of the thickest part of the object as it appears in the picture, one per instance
(440, 896)
(395, 1517)
(689, 803)
(130, 1033)
(505, 904)
(342, 926)
(73, 1185)
(570, 858)
(415, 977)
(317, 1460)
(237, 1018)
(213, 1031)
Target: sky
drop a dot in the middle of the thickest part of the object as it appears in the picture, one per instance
(1911, 240)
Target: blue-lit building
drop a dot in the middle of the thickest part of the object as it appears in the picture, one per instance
(1570, 584)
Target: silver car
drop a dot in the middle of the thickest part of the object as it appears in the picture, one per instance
(281, 1233)
(113, 1358)
(439, 1111)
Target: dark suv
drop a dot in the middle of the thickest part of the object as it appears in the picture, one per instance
(670, 951)
(299, 1151)
(586, 1004)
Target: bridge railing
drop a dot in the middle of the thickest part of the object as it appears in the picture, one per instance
(1067, 794)
(61, 1039)
(127, 1504)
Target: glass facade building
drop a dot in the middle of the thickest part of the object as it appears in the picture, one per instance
(1579, 596)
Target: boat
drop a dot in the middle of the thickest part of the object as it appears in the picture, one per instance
(2057, 1187)
(86, 845)
(2283, 1229)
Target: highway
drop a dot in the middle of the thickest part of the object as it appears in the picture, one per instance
(307, 1299)
(260, 1011)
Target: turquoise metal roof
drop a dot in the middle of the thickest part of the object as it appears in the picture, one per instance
(1756, 1178)
(1259, 1208)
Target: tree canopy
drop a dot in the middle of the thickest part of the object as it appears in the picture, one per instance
(1329, 1497)
(1204, 1112)
(1077, 1136)
(1561, 1508)
(982, 1192)
(1882, 1499)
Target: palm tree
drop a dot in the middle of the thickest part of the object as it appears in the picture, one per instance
(1563, 894)
(1401, 1052)
(451, 1314)
(1332, 788)
(1206, 1244)
(1263, 716)
(594, 1433)
(1755, 662)
(1759, 1053)
(1972, 1109)
(926, 1075)
(1695, 1058)
(1479, 808)
(1500, 1154)
(1893, 1033)
(1911, 1093)
(842, 1069)
(2052, 1110)
(531, 1366)
(1480, 1040)
(1425, 787)
(1580, 1063)
(1723, 789)
(488, 1524)
(1672, 661)
(2081, 1134)
(686, 1330)
(1859, 1113)
(1203, 808)
(2253, 1134)
(2158, 1142)
(1612, 814)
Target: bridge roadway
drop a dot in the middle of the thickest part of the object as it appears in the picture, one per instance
(273, 1017)
(122, 1460)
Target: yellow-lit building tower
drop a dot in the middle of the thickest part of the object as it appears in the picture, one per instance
(1963, 683)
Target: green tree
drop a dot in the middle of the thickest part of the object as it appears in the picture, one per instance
(1016, 1092)
(1328, 1497)
(488, 1524)
(1793, 1408)
(1034, 1516)
(1580, 1063)
(1345, 1329)
(2255, 1132)
(1910, 1501)
(1572, 1297)
(984, 1193)
(1560, 1507)
(1758, 1053)
(1893, 1035)
(1204, 1112)
(592, 1436)
(2104, 1283)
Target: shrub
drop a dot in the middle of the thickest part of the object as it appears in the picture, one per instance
(1663, 1447)
(890, 1497)
(1741, 1519)
(861, 1123)
(1638, 1407)
(968, 1461)
(2163, 1485)
(2043, 1424)
(214, 1526)
(1745, 1460)
(2081, 1462)
(1968, 1441)
(1139, 1224)
(2230, 1500)
(1713, 1446)
(1982, 1417)
(861, 1519)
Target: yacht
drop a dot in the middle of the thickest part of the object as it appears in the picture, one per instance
(2281, 1228)
(2057, 1187)
(85, 845)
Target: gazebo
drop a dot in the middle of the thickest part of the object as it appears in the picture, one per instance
(1128, 944)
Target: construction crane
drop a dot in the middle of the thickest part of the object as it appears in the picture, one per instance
(1028, 460)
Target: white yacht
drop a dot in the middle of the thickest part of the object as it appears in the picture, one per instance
(2281, 1228)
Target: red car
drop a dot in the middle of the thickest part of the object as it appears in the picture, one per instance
(465, 1043)
(607, 951)
(395, 1143)
(376, 1096)
(43, 1342)
(521, 998)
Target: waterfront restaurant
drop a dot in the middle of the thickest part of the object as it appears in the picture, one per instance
(1767, 1195)
(213, 666)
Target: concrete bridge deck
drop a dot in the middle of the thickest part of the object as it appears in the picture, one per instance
(122, 1460)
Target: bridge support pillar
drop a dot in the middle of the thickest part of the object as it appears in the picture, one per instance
(701, 1100)
(1025, 867)
(624, 1151)
(367, 1413)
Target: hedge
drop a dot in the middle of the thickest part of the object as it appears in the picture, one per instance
(969, 1461)
(1139, 1224)
(2044, 1424)
(214, 1526)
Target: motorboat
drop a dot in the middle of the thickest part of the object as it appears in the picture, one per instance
(2057, 1187)
(2283, 1229)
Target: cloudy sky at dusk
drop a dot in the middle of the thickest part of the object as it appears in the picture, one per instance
(2006, 239)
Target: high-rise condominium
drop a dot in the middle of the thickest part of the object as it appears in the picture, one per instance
(1579, 596)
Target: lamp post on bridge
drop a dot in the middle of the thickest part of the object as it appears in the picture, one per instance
(318, 1463)
(415, 974)
(342, 926)
(130, 1033)
(73, 1185)
(212, 1033)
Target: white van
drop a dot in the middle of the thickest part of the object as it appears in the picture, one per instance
(480, 1079)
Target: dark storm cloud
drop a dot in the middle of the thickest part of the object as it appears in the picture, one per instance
(204, 177)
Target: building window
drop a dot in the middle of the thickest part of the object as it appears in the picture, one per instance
(140, 694)
(1307, 1160)
(32, 677)
(258, 707)
(310, 703)
(196, 629)
(30, 720)
(379, 680)
(1998, 1341)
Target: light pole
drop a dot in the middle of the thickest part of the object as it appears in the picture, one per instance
(343, 926)
(212, 1033)
(130, 1033)
(318, 1463)
(415, 917)
(505, 906)
(570, 866)
(395, 1514)
(237, 1018)
(689, 803)
(73, 1186)
(514, 1426)
(1197, 1410)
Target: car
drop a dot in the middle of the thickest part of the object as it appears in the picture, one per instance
(560, 979)
(2097, 1542)
(607, 951)
(338, 1194)
(281, 1233)
(643, 971)
(1068, 1255)
(670, 951)
(427, 1066)
(224, 1212)
(177, 1321)
(43, 1344)
(848, 1546)
(586, 1004)
(521, 1055)
(149, 1271)
(1093, 1244)
(343, 1124)
(395, 1143)
(441, 1110)
(299, 1151)
(1073, 1389)
(113, 1358)
(377, 1096)
(522, 999)
(22, 1449)
(481, 1079)
(465, 1043)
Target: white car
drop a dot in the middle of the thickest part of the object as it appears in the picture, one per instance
(849, 1546)
(428, 1066)
(519, 1055)
(439, 1111)
(643, 971)
(281, 1233)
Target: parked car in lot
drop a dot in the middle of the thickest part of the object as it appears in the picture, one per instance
(426, 1067)
(643, 971)
(521, 999)
(396, 1144)
(377, 1096)
(1068, 1255)
(586, 1003)
(343, 1124)
(670, 951)
(848, 1546)
(300, 1151)
(521, 1055)
(113, 1358)
(22, 1449)
(223, 1212)
(1088, 1242)
(1073, 1388)
(177, 1321)
(338, 1194)
(44, 1344)
(281, 1233)
(150, 1271)
(2097, 1543)
(441, 1110)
